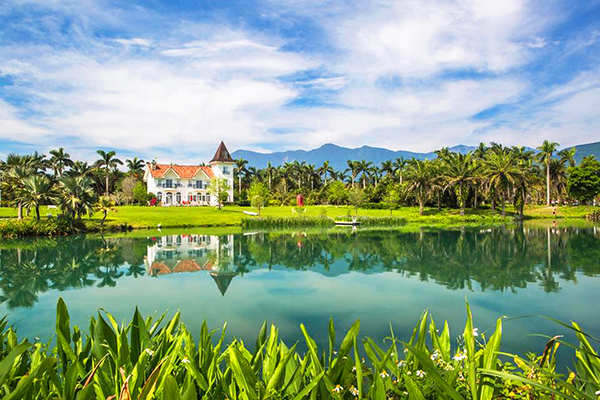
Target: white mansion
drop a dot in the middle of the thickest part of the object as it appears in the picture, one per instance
(175, 184)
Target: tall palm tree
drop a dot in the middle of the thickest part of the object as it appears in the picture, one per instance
(547, 150)
(270, 170)
(299, 170)
(59, 160)
(80, 168)
(461, 172)
(568, 155)
(135, 166)
(387, 167)
(13, 180)
(107, 161)
(37, 191)
(354, 169)
(419, 173)
(324, 170)
(399, 165)
(240, 167)
(311, 173)
(364, 167)
(502, 173)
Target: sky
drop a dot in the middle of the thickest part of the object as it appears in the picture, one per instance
(171, 79)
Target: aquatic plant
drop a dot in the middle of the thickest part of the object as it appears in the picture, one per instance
(153, 358)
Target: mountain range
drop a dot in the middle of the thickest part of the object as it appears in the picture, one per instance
(338, 155)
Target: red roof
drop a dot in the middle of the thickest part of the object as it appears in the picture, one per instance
(184, 171)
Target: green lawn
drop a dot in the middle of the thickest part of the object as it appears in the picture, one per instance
(150, 217)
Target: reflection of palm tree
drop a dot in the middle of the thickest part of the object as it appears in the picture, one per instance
(136, 270)
(108, 277)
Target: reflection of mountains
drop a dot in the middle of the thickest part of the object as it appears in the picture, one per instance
(498, 259)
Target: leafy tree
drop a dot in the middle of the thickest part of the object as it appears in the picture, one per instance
(503, 174)
(219, 188)
(461, 173)
(240, 167)
(356, 198)
(140, 194)
(391, 198)
(584, 180)
(258, 194)
(337, 193)
(77, 196)
(547, 150)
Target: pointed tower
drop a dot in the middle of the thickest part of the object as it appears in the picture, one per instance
(222, 165)
(223, 281)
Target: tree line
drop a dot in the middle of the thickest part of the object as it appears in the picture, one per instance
(79, 188)
(494, 175)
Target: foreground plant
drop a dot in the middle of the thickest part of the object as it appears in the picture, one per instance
(150, 358)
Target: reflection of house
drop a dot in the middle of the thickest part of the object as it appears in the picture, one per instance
(192, 253)
(176, 184)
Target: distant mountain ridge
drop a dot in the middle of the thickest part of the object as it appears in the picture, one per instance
(338, 155)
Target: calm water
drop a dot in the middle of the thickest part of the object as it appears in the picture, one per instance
(377, 276)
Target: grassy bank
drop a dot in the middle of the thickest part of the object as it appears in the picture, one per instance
(150, 358)
(126, 217)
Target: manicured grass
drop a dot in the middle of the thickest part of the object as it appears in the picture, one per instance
(178, 217)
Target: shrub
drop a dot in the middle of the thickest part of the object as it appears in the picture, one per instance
(45, 227)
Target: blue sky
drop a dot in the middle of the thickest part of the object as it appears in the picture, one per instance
(170, 79)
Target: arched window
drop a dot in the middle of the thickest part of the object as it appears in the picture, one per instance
(159, 196)
(178, 197)
(169, 198)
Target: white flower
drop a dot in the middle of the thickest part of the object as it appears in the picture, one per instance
(392, 355)
(337, 389)
(459, 356)
(354, 391)
(420, 373)
(353, 369)
(406, 350)
(449, 367)
(185, 360)
(384, 374)
(401, 363)
(150, 352)
(408, 373)
(335, 353)
(598, 393)
(475, 333)
(434, 356)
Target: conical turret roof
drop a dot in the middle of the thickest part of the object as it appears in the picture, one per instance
(222, 154)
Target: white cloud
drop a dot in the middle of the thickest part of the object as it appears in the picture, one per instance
(135, 42)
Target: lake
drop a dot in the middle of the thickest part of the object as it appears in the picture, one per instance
(379, 276)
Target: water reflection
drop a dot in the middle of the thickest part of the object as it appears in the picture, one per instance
(192, 253)
(479, 260)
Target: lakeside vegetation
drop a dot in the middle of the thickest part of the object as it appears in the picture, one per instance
(153, 358)
(486, 185)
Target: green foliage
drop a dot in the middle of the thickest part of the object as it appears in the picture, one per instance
(356, 198)
(584, 180)
(219, 189)
(259, 195)
(29, 227)
(140, 195)
(153, 358)
(337, 193)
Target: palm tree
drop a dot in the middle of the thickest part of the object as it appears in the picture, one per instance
(37, 191)
(311, 172)
(547, 150)
(270, 170)
(299, 170)
(104, 205)
(240, 167)
(135, 166)
(420, 173)
(324, 170)
(399, 165)
(568, 155)
(363, 168)
(58, 161)
(502, 173)
(77, 197)
(460, 171)
(107, 161)
(387, 167)
(80, 168)
(354, 169)
(14, 178)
